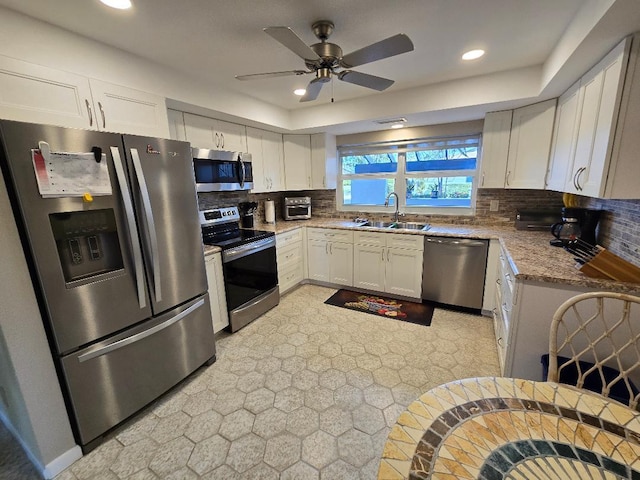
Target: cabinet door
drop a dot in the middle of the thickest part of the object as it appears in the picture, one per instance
(529, 146)
(564, 139)
(176, 125)
(126, 110)
(273, 160)
(37, 94)
(217, 299)
(609, 83)
(255, 146)
(404, 272)
(231, 136)
(369, 267)
(495, 148)
(318, 260)
(200, 131)
(297, 162)
(323, 161)
(341, 263)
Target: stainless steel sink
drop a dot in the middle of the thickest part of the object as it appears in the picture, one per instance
(397, 225)
(411, 226)
(377, 224)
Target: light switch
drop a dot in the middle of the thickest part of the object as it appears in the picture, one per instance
(493, 205)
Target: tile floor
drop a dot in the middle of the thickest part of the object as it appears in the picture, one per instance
(308, 391)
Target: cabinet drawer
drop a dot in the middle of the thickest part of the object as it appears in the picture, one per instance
(330, 234)
(405, 240)
(370, 238)
(283, 239)
(289, 277)
(291, 254)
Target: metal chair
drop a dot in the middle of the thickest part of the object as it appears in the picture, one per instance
(595, 344)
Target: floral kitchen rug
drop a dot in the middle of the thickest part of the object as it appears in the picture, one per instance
(412, 312)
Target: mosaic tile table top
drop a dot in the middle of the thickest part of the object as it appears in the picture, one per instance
(501, 428)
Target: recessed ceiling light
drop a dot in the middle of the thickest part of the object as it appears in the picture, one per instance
(397, 125)
(472, 54)
(119, 4)
(299, 91)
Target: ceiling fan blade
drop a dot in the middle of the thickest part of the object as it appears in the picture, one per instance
(313, 90)
(389, 47)
(365, 80)
(293, 42)
(256, 76)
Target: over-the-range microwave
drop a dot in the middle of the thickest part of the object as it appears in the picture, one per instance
(222, 170)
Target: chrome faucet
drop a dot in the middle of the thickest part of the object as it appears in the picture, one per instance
(386, 204)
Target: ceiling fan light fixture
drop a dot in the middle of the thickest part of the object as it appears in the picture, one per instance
(472, 54)
(299, 91)
(119, 4)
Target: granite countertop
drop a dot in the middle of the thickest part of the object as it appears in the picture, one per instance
(529, 253)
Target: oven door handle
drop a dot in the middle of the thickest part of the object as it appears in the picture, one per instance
(247, 249)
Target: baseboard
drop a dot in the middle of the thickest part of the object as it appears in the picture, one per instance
(63, 462)
(52, 468)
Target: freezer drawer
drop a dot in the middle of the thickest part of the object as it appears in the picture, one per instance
(453, 271)
(110, 381)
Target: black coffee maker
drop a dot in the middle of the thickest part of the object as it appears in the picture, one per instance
(246, 211)
(578, 226)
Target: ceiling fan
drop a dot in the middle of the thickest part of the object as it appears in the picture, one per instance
(325, 59)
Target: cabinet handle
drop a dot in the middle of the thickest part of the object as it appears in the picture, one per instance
(388, 255)
(104, 122)
(383, 254)
(580, 171)
(217, 139)
(507, 179)
(89, 111)
(499, 341)
(222, 140)
(326, 248)
(331, 248)
(498, 281)
(482, 179)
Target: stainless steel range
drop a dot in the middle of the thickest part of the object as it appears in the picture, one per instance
(248, 263)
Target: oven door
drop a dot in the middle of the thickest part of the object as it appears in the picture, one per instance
(250, 280)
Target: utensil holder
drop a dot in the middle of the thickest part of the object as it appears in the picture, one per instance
(608, 265)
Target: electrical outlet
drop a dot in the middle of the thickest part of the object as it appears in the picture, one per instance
(494, 205)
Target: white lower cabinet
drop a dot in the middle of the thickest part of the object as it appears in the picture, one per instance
(330, 256)
(290, 258)
(217, 298)
(388, 262)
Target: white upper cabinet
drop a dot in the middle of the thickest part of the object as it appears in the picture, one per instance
(597, 156)
(205, 132)
(125, 110)
(564, 134)
(267, 160)
(529, 145)
(176, 125)
(37, 94)
(495, 148)
(297, 162)
(323, 161)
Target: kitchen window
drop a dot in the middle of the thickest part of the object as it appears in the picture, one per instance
(434, 175)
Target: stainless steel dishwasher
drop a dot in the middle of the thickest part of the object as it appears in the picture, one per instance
(453, 271)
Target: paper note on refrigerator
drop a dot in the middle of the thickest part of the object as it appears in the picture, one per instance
(62, 174)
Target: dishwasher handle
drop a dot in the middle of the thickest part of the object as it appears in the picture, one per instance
(464, 242)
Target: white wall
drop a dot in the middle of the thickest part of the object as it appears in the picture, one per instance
(31, 402)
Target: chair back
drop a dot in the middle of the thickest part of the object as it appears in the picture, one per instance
(598, 334)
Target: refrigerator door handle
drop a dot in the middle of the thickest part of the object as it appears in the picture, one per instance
(140, 336)
(131, 226)
(151, 225)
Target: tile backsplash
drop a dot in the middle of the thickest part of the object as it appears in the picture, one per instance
(619, 229)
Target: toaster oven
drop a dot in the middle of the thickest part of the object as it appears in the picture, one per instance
(297, 208)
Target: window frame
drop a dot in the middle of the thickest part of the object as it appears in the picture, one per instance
(401, 175)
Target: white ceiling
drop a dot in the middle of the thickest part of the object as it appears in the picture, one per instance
(217, 39)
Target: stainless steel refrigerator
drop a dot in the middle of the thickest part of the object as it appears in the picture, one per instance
(118, 270)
